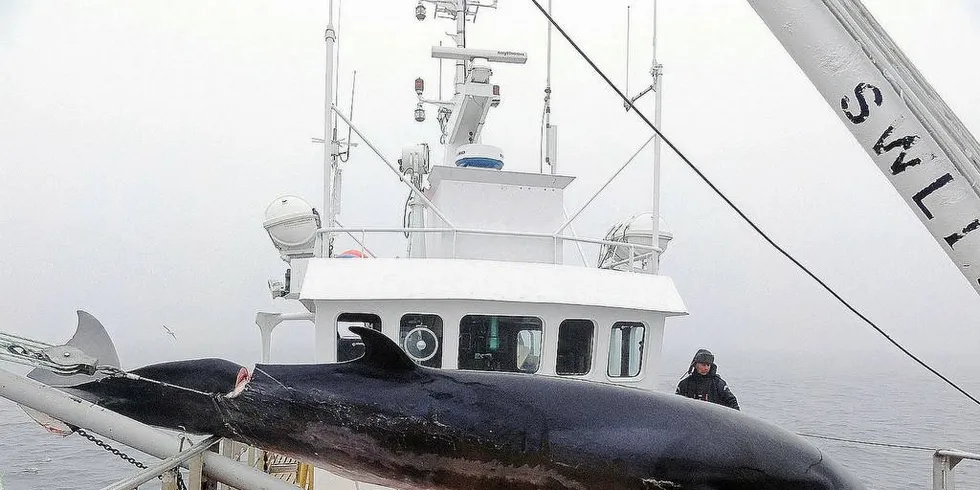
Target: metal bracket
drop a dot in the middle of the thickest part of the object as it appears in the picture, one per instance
(72, 358)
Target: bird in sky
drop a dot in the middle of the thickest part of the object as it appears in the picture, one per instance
(171, 332)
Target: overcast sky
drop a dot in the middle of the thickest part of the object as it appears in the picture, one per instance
(140, 143)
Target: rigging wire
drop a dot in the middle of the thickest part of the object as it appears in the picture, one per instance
(742, 215)
(867, 443)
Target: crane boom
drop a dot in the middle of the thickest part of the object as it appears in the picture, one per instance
(897, 117)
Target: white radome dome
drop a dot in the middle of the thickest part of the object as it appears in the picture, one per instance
(292, 224)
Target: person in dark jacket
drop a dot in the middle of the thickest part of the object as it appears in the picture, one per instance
(703, 383)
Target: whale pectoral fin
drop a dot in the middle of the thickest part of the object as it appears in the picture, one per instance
(381, 352)
(51, 424)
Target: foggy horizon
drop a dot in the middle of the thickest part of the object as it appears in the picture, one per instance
(142, 142)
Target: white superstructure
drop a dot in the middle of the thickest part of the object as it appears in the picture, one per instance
(485, 275)
(485, 283)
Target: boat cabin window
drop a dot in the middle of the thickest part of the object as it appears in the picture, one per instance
(349, 345)
(575, 347)
(421, 337)
(500, 343)
(625, 349)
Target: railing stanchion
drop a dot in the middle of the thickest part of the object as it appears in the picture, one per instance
(943, 463)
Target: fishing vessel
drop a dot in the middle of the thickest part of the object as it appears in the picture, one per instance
(487, 279)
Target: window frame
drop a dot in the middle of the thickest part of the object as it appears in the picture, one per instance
(593, 344)
(641, 354)
(540, 345)
(440, 353)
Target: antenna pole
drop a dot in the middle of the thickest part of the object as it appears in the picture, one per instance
(656, 70)
(336, 80)
(460, 43)
(329, 146)
(627, 87)
(548, 145)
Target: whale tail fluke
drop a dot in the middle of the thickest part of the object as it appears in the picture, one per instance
(90, 338)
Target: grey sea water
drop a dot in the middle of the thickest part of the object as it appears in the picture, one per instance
(850, 397)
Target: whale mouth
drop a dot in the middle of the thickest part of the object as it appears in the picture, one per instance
(241, 381)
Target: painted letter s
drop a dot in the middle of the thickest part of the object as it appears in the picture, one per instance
(862, 102)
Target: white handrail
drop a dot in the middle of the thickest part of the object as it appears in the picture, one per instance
(637, 252)
(631, 260)
(360, 242)
(473, 231)
(943, 463)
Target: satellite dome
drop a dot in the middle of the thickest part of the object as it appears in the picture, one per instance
(634, 230)
(479, 156)
(292, 224)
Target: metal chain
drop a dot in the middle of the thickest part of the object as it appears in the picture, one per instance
(109, 448)
(180, 480)
(98, 442)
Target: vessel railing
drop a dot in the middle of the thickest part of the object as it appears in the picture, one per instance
(944, 461)
(283, 467)
(167, 465)
(101, 421)
(637, 252)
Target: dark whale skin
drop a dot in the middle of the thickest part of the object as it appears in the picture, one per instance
(383, 419)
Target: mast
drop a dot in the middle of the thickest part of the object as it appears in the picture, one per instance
(329, 143)
(547, 157)
(656, 71)
(550, 131)
(460, 39)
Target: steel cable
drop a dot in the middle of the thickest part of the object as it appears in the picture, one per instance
(742, 215)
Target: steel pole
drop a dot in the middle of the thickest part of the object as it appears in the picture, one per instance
(329, 151)
(81, 413)
(657, 187)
